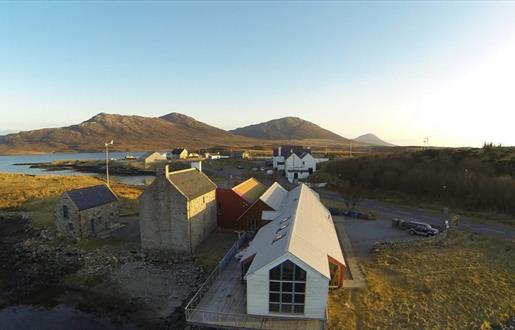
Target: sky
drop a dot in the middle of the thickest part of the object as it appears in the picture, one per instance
(401, 70)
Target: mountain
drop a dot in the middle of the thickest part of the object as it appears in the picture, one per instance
(289, 128)
(130, 133)
(373, 140)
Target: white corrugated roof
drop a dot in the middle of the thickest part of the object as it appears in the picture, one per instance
(310, 234)
(274, 196)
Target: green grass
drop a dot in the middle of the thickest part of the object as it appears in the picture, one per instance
(462, 282)
(39, 194)
(94, 244)
(209, 252)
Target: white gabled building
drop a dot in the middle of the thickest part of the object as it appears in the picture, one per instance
(299, 165)
(296, 162)
(292, 261)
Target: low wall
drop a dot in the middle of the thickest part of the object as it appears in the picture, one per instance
(403, 244)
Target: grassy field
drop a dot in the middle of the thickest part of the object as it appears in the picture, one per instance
(209, 252)
(38, 194)
(463, 282)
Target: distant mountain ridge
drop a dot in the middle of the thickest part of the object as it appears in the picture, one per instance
(130, 133)
(288, 128)
(373, 140)
(138, 133)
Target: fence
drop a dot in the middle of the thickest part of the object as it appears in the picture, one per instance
(204, 288)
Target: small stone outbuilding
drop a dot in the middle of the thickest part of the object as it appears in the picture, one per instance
(177, 211)
(152, 157)
(87, 212)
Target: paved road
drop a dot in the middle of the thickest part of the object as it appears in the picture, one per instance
(387, 211)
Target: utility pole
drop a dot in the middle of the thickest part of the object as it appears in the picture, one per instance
(350, 149)
(107, 144)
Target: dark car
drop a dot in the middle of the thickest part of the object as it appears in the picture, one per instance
(421, 228)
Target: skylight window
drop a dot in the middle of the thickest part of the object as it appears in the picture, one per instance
(278, 237)
(284, 225)
(285, 219)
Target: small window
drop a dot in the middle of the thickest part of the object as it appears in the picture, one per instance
(274, 307)
(278, 237)
(284, 225)
(70, 226)
(65, 212)
(285, 219)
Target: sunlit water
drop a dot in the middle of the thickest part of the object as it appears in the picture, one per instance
(7, 165)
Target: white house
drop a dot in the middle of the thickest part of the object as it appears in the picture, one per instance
(294, 260)
(299, 165)
(281, 153)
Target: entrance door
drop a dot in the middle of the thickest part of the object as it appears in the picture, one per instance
(93, 231)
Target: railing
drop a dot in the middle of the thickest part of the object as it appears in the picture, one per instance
(232, 320)
(254, 321)
(204, 288)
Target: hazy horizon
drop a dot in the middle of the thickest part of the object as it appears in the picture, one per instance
(400, 70)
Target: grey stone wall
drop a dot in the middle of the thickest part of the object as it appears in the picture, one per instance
(168, 221)
(98, 219)
(69, 227)
(80, 225)
(202, 213)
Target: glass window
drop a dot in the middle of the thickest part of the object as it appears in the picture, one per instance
(275, 273)
(299, 309)
(300, 287)
(65, 212)
(275, 286)
(274, 308)
(300, 274)
(287, 288)
(287, 271)
(286, 308)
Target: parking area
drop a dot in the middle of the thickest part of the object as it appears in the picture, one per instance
(363, 234)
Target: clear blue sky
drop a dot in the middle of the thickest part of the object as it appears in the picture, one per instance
(402, 70)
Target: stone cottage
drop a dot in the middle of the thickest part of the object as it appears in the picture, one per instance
(152, 157)
(177, 211)
(87, 212)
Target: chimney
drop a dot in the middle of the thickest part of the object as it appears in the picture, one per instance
(197, 165)
(163, 171)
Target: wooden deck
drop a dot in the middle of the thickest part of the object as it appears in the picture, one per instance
(224, 306)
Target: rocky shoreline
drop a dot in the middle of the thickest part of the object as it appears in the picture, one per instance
(117, 281)
(93, 166)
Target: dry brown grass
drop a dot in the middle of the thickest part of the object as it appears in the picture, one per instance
(38, 194)
(463, 282)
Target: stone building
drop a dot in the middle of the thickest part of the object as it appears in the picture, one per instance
(87, 212)
(177, 211)
(152, 157)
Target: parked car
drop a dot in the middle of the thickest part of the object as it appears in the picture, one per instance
(420, 228)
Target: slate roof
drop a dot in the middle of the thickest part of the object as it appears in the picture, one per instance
(89, 197)
(148, 154)
(177, 151)
(191, 183)
(250, 190)
(288, 150)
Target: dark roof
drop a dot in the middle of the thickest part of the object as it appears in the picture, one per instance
(287, 150)
(147, 154)
(177, 151)
(86, 198)
(300, 153)
(191, 182)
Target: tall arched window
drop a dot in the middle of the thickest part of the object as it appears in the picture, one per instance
(287, 288)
